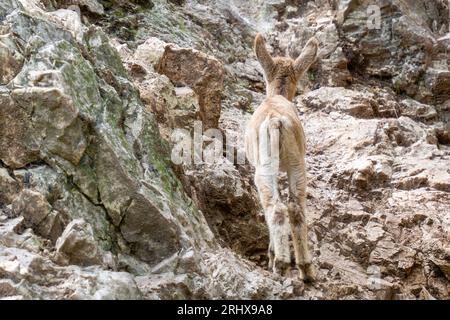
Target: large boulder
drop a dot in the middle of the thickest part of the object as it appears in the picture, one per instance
(78, 245)
(354, 103)
(203, 73)
(9, 187)
(10, 59)
(92, 6)
(86, 178)
(36, 274)
(32, 206)
(222, 192)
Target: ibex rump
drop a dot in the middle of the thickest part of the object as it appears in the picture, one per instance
(275, 142)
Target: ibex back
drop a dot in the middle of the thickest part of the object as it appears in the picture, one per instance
(275, 142)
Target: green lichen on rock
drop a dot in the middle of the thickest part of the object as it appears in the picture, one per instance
(84, 120)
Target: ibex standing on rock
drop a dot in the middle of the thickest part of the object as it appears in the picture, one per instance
(275, 142)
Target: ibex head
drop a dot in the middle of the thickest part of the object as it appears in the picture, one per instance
(282, 73)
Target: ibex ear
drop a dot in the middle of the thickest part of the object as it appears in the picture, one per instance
(306, 58)
(264, 58)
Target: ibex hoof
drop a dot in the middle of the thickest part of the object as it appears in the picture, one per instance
(307, 273)
(282, 268)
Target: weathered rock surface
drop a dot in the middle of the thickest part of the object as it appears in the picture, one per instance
(91, 206)
(87, 186)
(204, 74)
(78, 244)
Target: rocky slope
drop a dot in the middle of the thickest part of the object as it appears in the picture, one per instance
(93, 93)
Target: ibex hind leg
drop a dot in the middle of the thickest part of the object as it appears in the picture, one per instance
(280, 234)
(277, 220)
(280, 220)
(297, 219)
(266, 180)
(270, 254)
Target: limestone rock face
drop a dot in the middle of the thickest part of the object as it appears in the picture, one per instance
(78, 244)
(413, 27)
(87, 188)
(203, 73)
(354, 103)
(32, 206)
(67, 283)
(92, 6)
(227, 197)
(93, 207)
(8, 187)
(10, 58)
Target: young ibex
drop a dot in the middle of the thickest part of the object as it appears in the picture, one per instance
(275, 142)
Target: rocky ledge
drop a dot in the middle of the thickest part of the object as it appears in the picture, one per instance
(92, 94)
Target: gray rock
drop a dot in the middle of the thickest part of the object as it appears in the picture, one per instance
(77, 243)
(85, 121)
(203, 73)
(9, 187)
(32, 206)
(357, 104)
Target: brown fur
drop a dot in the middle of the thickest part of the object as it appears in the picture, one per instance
(275, 141)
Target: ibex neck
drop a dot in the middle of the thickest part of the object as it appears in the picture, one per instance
(279, 92)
